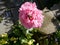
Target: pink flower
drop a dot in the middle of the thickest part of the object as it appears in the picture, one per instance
(30, 16)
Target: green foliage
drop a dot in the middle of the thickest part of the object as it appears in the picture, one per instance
(17, 36)
(3, 39)
(21, 36)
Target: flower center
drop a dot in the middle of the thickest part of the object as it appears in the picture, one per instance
(30, 17)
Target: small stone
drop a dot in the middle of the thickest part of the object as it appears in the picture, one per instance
(48, 26)
(5, 26)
